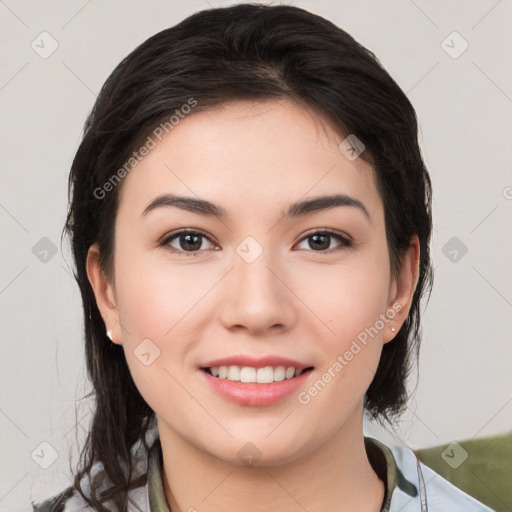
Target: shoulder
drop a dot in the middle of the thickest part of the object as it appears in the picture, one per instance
(67, 501)
(435, 494)
(443, 496)
(71, 500)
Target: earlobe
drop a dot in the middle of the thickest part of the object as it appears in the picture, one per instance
(104, 294)
(403, 288)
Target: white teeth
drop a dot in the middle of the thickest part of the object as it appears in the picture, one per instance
(264, 375)
(290, 372)
(279, 373)
(247, 374)
(234, 373)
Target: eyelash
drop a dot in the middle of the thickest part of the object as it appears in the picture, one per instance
(345, 242)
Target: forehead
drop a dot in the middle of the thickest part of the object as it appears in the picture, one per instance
(267, 153)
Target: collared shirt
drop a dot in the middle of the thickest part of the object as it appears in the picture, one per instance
(410, 486)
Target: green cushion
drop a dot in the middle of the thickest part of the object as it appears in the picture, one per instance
(481, 468)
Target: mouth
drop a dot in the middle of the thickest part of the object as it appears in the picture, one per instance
(251, 374)
(255, 381)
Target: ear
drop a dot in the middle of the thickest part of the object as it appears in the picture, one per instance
(402, 289)
(104, 293)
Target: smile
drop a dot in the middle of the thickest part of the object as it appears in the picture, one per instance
(249, 374)
(253, 381)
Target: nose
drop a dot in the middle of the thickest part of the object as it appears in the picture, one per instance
(258, 297)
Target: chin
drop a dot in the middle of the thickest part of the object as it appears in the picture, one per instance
(258, 451)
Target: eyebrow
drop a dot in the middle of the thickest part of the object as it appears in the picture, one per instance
(298, 209)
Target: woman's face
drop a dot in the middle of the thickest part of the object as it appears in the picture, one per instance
(252, 286)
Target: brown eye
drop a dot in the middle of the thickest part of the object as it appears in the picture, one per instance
(187, 242)
(320, 241)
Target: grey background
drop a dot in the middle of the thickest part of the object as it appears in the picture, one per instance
(464, 105)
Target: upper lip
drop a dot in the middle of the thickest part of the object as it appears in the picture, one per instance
(256, 362)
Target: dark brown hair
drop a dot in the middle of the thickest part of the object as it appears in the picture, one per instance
(243, 52)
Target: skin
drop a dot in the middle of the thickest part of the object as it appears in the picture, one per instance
(294, 300)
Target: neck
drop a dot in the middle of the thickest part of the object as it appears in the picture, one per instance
(335, 476)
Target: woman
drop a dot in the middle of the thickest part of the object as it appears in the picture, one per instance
(250, 220)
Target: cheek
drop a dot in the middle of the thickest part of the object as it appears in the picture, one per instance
(161, 310)
(347, 298)
(153, 310)
(348, 302)
(155, 299)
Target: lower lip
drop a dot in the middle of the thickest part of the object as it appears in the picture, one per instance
(255, 394)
